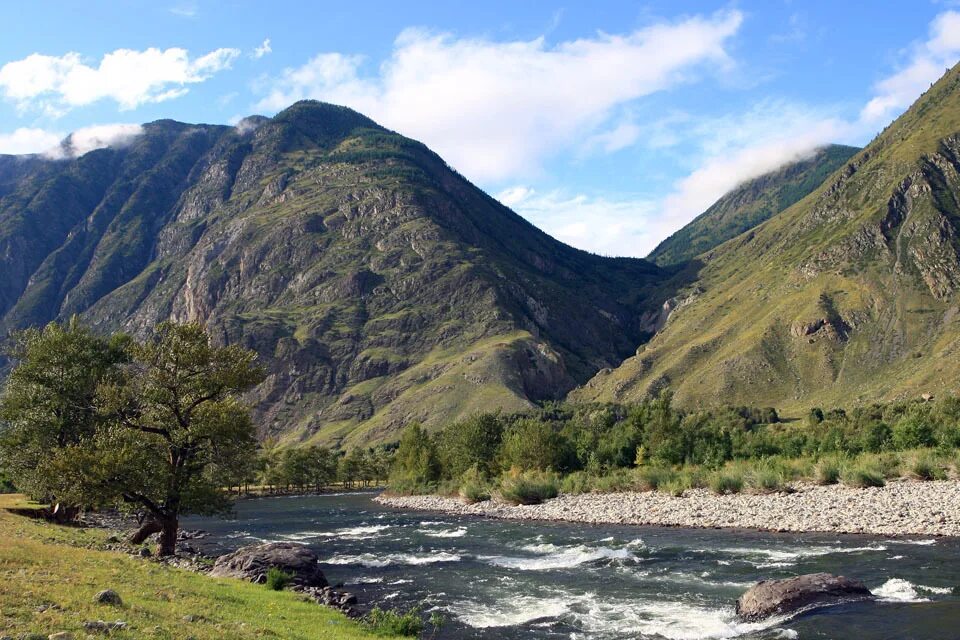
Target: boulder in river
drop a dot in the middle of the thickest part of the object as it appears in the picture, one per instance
(252, 563)
(779, 597)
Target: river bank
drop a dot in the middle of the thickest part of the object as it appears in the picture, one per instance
(901, 508)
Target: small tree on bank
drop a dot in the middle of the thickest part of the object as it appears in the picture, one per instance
(169, 432)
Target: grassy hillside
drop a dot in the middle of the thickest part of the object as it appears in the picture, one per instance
(750, 204)
(60, 569)
(849, 296)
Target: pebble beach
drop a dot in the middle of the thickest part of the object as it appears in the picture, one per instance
(901, 508)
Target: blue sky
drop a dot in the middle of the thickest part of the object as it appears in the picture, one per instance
(609, 124)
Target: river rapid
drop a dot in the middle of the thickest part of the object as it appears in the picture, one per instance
(509, 579)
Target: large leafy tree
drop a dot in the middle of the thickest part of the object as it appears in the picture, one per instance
(48, 402)
(174, 429)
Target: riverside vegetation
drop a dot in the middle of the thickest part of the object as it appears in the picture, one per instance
(653, 445)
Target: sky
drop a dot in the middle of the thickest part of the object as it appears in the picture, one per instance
(609, 124)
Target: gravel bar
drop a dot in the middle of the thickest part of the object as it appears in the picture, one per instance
(901, 508)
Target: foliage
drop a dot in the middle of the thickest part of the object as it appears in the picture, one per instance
(155, 425)
(474, 486)
(828, 471)
(48, 402)
(278, 580)
(723, 482)
(862, 476)
(390, 622)
(415, 465)
(528, 487)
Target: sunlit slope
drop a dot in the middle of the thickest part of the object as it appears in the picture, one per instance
(848, 296)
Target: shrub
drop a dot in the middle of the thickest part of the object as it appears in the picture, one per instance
(675, 486)
(888, 464)
(529, 487)
(278, 580)
(766, 480)
(614, 481)
(827, 471)
(913, 432)
(390, 622)
(474, 487)
(726, 481)
(862, 476)
(650, 478)
(924, 467)
(576, 482)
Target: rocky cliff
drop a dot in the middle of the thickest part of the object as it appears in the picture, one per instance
(378, 285)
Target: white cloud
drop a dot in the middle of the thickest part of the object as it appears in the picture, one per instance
(55, 146)
(262, 50)
(613, 227)
(27, 140)
(495, 110)
(927, 63)
(55, 84)
(84, 140)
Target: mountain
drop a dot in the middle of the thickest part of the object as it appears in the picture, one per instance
(848, 296)
(377, 284)
(751, 203)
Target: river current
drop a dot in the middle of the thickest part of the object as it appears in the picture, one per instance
(505, 579)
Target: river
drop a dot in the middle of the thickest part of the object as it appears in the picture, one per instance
(507, 579)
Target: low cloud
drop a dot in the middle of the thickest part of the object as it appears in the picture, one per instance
(27, 140)
(83, 141)
(496, 110)
(57, 84)
(55, 146)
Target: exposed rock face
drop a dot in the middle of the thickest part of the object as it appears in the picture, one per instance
(252, 563)
(378, 286)
(782, 597)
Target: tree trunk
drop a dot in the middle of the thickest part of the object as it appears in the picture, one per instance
(149, 527)
(168, 536)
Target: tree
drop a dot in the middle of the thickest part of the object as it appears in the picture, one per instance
(534, 444)
(48, 402)
(174, 428)
(471, 443)
(415, 464)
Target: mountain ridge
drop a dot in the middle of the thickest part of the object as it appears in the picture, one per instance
(378, 285)
(847, 297)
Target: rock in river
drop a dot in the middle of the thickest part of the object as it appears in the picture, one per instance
(778, 597)
(253, 562)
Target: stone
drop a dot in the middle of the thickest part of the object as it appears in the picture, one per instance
(252, 563)
(62, 635)
(791, 595)
(108, 596)
(145, 552)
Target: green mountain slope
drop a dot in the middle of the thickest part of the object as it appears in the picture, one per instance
(751, 203)
(848, 296)
(378, 285)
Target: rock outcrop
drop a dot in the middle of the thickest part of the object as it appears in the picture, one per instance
(253, 562)
(783, 597)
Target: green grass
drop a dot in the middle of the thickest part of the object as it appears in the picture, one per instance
(43, 564)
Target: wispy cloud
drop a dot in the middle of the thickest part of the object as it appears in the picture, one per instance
(496, 110)
(185, 10)
(927, 62)
(262, 50)
(57, 84)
